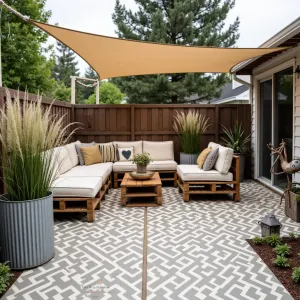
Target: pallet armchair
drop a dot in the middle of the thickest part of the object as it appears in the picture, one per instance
(192, 180)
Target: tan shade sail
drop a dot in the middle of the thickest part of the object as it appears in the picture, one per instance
(113, 57)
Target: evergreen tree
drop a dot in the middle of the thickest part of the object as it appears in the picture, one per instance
(180, 22)
(87, 91)
(66, 65)
(24, 64)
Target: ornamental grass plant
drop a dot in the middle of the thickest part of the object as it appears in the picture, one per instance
(189, 128)
(28, 134)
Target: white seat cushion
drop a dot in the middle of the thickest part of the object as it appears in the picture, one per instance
(73, 153)
(76, 186)
(137, 146)
(159, 150)
(97, 170)
(224, 160)
(194, 173)
(162, 165)
(124, 166)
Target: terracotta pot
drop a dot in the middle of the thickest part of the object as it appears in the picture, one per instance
(292, 207)
(141, 169)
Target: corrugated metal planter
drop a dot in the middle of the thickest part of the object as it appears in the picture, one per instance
(188, 159)
(242, 165)
(26, 232)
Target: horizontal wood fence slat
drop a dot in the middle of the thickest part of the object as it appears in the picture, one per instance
(123, 122)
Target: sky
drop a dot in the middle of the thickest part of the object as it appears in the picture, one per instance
(259, 19)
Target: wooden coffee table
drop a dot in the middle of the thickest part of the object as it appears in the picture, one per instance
(141, 192)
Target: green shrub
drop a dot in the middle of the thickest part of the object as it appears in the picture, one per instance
(273, 240)
(281, 262)
(283, 250)
(292, 235)
(5, 276)
(296, 275)
(258, 240)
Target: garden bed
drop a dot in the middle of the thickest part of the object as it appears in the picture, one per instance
(268, 255)
(16, 275)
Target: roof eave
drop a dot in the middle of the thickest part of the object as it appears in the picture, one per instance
(276, 40)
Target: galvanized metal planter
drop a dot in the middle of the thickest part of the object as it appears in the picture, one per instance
(26, 232)
(242, 165)
(188, 159)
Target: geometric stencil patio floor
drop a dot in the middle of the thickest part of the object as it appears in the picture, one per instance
(196, 250)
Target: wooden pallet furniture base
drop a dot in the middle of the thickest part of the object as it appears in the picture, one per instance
(213, 187)
(82, 204)
(137, 193)
(118, 177)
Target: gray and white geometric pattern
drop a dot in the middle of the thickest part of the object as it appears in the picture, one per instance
(196, 250)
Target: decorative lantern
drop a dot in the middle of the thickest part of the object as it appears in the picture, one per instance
(269, 225)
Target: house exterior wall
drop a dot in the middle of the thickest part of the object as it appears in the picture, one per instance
(288, 58)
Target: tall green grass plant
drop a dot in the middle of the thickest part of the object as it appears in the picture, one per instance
(28, 134)
(189, 128)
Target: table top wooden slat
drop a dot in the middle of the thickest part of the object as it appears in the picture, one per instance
(128, 181)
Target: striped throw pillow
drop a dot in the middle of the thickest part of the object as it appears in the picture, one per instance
(108, 152)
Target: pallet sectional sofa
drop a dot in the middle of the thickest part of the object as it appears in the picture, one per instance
(81, 188)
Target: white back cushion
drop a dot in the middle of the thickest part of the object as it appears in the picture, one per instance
(73, 153)
(224, 160)
(137, 146)
(63, 160)
(213, 145)
(159, 150)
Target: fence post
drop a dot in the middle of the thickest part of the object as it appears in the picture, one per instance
(132, 116)
(217, 126)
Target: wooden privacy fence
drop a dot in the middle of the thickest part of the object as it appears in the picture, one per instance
(106, 123)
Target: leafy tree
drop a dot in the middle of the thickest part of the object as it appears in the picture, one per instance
(180, 22)
(61, 92)
(24, 64)
(109, 93)
(66, 64)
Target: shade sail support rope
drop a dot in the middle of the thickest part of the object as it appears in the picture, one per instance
(114, 57)
(9, 8)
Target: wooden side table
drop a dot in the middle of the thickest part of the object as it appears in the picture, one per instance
(141, 192)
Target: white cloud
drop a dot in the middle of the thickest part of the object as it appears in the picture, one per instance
(260, 19)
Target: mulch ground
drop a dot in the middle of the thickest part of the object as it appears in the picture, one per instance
(12, 280)
(267, 254)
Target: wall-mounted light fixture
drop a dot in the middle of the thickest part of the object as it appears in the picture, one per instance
(297, 71)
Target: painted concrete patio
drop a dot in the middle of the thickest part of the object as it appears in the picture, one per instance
(195, 250)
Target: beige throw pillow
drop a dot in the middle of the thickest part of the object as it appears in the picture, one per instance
(202, 157)
(91, 155)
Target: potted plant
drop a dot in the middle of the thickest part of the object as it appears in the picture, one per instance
(141, 161)
(28, 134)
(237, 140)
(292, 202)
(189, 128)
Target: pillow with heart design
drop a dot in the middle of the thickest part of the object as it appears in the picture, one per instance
(125, 154)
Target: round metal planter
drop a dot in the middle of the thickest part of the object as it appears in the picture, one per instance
(188, 159)
(26, 232)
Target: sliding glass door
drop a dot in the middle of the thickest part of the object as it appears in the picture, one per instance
(276, 122)
(265, 127)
